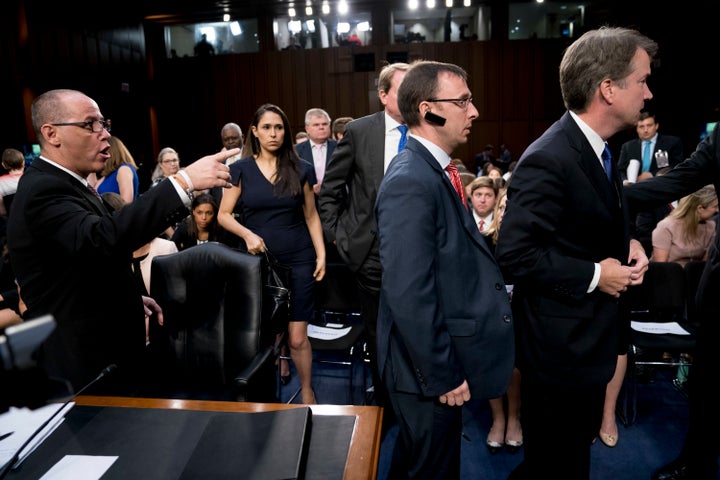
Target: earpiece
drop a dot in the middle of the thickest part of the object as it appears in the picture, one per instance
(436, 119)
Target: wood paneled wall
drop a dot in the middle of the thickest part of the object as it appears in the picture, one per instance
(156, 102)
(514, 87)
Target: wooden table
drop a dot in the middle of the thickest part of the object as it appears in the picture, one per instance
(364, 451)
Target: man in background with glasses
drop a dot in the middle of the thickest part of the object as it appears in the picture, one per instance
(71, 256)
(444, 328)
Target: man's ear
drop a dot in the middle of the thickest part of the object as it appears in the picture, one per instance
(50, 134)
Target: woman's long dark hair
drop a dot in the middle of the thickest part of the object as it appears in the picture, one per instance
(287, 179)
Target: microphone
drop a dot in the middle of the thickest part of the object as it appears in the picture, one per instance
(106, 371)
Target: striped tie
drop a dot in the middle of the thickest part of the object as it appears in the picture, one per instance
(456, 182)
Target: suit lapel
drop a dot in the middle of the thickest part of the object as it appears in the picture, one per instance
(466, 218)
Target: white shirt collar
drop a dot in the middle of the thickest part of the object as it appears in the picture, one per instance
(596, 141)
(390, 123)
(442, 158)
(57, 165)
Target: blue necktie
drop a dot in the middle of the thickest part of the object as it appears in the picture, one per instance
(647, 153)
(607, 162)
(403, 137)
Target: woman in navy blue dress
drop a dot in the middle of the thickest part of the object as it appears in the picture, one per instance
(274, 186)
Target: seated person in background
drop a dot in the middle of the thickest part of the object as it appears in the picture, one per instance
(338, 127)
(687, 232)
(120, 172)
(301, 137)
(13, 161)
(460, 165)
(168, 164)
(483, 158)
(494, 172)
(483, 195)
(201, 225)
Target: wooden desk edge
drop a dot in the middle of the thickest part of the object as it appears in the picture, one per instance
(364, 451)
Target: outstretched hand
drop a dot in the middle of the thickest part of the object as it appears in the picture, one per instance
(211, 171)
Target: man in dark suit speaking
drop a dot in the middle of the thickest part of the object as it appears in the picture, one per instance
(444, 323)
(565, 245)
(72, 257)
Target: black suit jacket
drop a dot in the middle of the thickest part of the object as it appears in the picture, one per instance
(304, 150)
(72, 260)
(431, 334)
(633, 149)
(349, 189)
(700, 169)
(562, 217)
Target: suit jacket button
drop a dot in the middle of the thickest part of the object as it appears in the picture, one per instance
(499, 286)
(507, 318)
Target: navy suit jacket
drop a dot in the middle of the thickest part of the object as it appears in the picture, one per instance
(562, 216)
(72, 259)
(304, 150)
(633, 149)
(347, 197)
(444, 313)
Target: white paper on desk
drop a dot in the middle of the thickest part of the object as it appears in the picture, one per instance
(24, 422)
(659, 327)
(80, 467)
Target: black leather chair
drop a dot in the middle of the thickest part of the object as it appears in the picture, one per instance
(662, 298)
(213, 344)
(337, 333)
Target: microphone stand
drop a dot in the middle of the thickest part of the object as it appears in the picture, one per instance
(106, 371)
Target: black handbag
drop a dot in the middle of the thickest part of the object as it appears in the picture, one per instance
(277, 303)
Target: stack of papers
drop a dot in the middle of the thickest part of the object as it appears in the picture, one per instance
(23, 423)
(659, 327)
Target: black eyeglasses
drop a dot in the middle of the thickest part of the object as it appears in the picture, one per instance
(460, 102)
(95, 126)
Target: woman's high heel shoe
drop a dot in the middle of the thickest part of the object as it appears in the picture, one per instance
(608, 440)
(493, 446)
(513, 446)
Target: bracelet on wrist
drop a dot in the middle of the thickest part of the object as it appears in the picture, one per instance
(190, 185)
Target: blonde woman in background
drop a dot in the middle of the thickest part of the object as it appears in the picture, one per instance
(686, 233)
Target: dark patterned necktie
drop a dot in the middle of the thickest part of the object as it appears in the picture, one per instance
(94, 192)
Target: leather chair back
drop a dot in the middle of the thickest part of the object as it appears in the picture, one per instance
(211, 296)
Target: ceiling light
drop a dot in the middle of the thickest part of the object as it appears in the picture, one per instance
(342, 8)
(291, 12)
(430, 3)
(413, 4)
(343, 27)
(449, 3)
(226, 17)
(325, 8)
(235, 28)
(308, 11)
(363, 27)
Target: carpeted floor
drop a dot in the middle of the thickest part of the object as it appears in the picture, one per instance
(652, 440)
